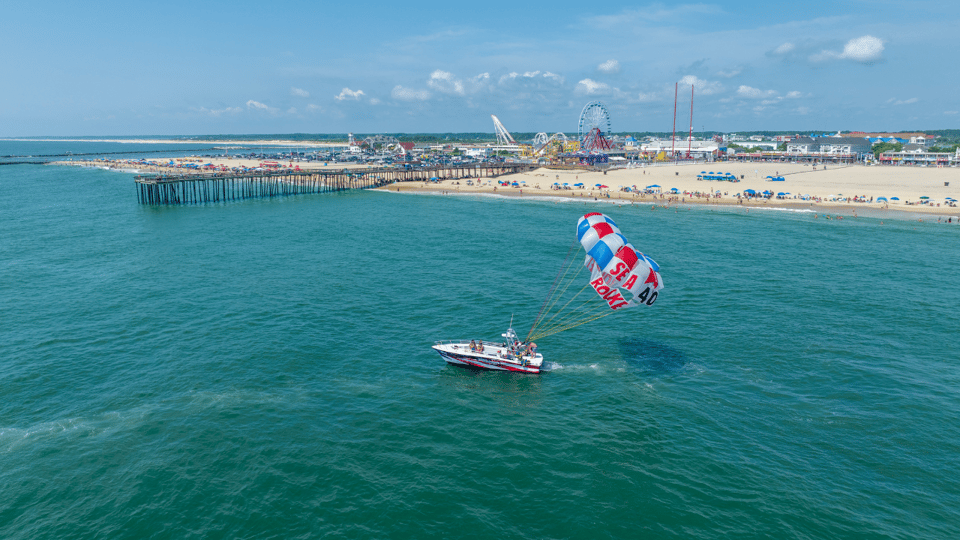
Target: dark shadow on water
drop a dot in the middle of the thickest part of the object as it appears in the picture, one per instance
(652, 357)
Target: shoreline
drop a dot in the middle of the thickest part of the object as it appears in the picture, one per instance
(856, 209)
(826, 188)
(825, 210)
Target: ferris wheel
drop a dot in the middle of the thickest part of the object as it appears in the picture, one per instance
(593, 116)
(594, 123)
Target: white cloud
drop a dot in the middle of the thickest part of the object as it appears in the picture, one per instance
(299, 92)
(951, 112)
(590, 86)
(802, 110)
(374, 101)
(529, 75)
(447, 83)
(794, 94)
(785, 48)
(314, 108)
(347, 93)
(409, 94)
(219, 112)
(754, 93)
(257, 105)
(444, 81)
(728, 74)
(610, 66)
(896, 101)
(864, 49)
(703, 87)
(292, 110)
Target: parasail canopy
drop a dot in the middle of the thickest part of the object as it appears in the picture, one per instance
(621, 277)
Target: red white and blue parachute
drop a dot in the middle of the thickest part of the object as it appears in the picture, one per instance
(623, 276)
(619, 274)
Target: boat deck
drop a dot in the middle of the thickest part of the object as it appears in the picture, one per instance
(495, 356)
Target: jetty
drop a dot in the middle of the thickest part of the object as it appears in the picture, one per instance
(216, 187)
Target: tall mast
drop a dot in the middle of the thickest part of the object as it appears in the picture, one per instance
(673, 139)
(690, 140)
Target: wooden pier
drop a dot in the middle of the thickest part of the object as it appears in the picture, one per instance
(222, 187)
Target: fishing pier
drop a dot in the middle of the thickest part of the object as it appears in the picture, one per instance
(235, 186)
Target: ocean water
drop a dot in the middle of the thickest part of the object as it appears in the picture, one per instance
(262, 369)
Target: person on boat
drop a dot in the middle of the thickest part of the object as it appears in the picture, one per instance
(473, 346)
(480, 346)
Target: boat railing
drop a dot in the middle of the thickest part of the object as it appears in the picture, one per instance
(467, 342)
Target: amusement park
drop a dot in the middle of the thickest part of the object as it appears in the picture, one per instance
(592, 144)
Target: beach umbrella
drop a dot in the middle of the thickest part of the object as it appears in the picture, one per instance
(924, 197)
(703, 172)
(750, 191)
(894, 198)
(768, 192)
(556, 183)
(780, 194)
(604, 187)
(881, 199)
(597, 185)
(579, 184)
(653, 186)
(566, 184)
(675, 190)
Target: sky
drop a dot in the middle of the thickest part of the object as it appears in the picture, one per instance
(239, 67)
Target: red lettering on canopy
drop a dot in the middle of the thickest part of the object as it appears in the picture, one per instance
(614, 298)
(618, 306)
(630, 282)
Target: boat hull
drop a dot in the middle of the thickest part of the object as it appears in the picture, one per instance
(459, 357)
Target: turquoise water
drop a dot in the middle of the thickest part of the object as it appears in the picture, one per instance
(262, 369)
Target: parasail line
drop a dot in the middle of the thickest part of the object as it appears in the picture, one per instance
(582, 311)
(540, 336)
(563, 307)
(558, 296)
(561, 274)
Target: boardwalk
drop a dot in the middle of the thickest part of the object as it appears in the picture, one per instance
(220, 187)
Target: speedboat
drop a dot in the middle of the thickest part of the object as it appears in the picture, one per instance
(509, 355)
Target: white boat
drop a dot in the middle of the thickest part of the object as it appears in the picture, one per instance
(509, 355)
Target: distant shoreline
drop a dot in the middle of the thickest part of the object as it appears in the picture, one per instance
(231, 142)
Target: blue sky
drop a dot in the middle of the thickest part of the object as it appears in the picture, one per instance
(139, 68)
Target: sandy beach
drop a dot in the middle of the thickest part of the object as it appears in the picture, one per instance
(830, 190)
